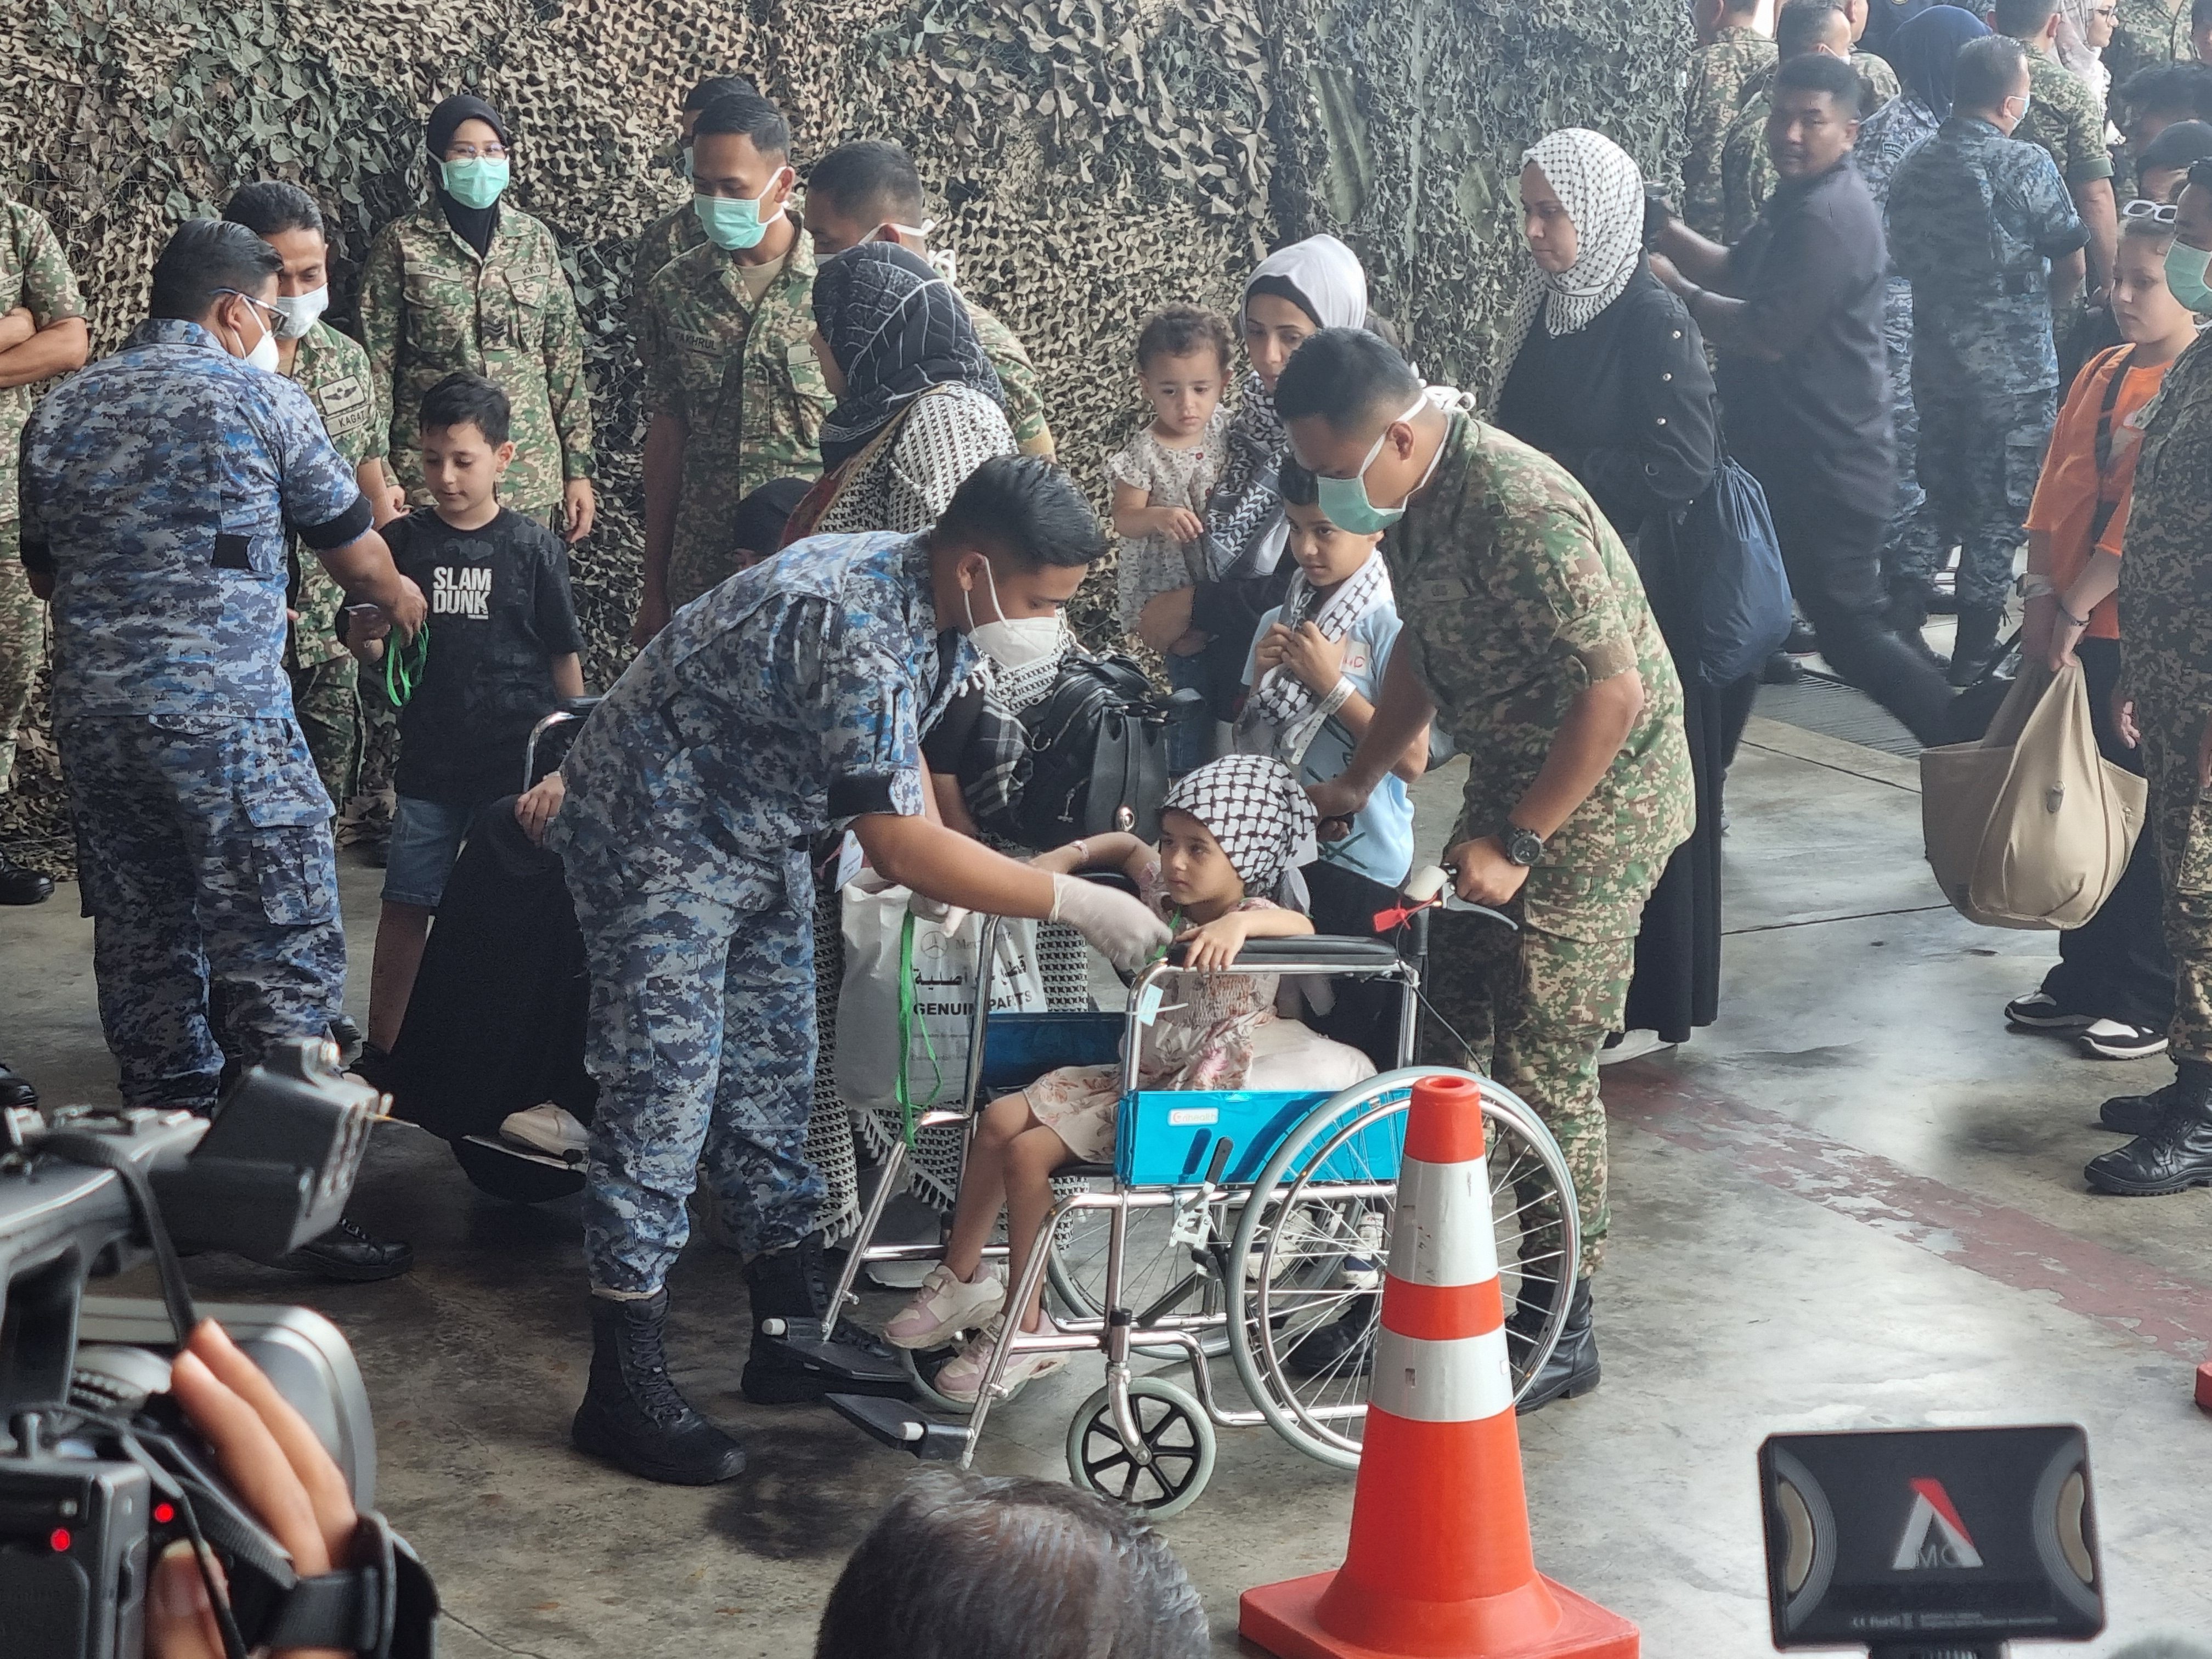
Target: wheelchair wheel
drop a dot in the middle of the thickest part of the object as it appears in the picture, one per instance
(1314, 1237)
(518, 1180)
(1159, 1275)
(1177, 1433)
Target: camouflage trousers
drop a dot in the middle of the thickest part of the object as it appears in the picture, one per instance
(1908, 550)
(1976, 458)
(203, 847)
(1532, 1009)
(22, 645)
(702, 1039)
(326, 701)
(2171, 707)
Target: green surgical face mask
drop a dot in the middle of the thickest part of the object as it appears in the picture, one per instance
(475, 183)
(732, 223)
(2185, 269)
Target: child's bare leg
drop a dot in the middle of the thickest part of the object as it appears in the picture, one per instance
(983, 1182)
(402, 932)
(1029, 1161)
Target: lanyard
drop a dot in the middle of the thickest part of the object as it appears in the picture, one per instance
(404, 663)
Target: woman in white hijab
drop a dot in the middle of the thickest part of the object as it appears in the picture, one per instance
(1607, 375)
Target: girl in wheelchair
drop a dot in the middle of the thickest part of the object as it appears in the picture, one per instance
(1231, 834)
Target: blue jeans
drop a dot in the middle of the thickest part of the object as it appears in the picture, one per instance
(1190, 742)
(426, 839)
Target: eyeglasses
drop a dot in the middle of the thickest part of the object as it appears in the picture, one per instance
(472, 153)
(2165, 213)
(267, 310)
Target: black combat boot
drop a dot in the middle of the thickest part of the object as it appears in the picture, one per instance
(2175, 1155)
(349, 1251)
(2138, 1114)
(15, 1088)
(632, 1415)
(1977, 643)
(1907, 618)
(789, 1364)
(1572, 1369)
(20, 885)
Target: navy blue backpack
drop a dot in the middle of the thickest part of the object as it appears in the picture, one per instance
(1739, 589)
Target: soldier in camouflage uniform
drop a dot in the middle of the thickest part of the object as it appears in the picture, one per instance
(458, 286)
(2165, 673)
(1981, 225)
(42, 334)
(868, 191)
(679, 230)
(333, 371)
(2066, 119)
(1732, 53)
(1528, 638)
(787, 702)
(732, 385)
(159, 486)
(1747, 176)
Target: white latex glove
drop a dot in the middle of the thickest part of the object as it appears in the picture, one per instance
(1118, 924)
(871, 883)
(947, 916)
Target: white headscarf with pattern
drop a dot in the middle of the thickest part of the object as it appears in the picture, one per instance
(1601, 188)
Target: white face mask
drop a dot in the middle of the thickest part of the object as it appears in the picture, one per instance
(264, 356)
(300, 311)
(1012, 642)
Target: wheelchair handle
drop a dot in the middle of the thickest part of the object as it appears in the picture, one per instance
(572, 708)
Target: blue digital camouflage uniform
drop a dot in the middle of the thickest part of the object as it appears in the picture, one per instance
(1975, 219)
(158, 488)
(780, 704)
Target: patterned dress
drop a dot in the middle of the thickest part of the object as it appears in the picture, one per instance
(1174, 477)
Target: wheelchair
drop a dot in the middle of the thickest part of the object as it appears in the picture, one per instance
(1249, 1225)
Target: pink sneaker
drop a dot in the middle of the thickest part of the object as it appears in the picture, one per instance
(944, 1306)
(962, 1379)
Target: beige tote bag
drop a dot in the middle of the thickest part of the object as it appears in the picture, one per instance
(2031, 827)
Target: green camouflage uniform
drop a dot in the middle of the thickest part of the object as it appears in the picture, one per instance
(333, 371)
(675, 231)
(1516, 597)
(33, 274)
(1720, 79)
(747, 387)
(1747, 175)
(2064, 117)
(429, 307)
(1017, 379)
(2165, 657)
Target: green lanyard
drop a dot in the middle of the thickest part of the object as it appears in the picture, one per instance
(404, 662)
(903, 1089)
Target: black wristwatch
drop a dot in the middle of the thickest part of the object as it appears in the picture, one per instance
(1523, 847)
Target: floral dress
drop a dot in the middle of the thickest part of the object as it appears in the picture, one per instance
(1214, 1030)
(1154, 565)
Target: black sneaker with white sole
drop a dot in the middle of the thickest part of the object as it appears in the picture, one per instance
(2115, 1039)
(2040, 1011)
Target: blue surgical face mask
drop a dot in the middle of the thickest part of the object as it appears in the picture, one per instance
(475, 182)
(1343, 501)
(734, 224)
(2184, 278)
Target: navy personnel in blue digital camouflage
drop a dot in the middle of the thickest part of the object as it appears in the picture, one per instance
(158, 489)
(789, 702)
(1981, 225)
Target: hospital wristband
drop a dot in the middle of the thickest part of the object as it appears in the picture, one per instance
(1339, 694)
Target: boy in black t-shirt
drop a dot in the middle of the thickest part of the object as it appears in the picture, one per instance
(498, 655)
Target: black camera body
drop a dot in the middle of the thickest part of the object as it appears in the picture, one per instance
(98, 1471)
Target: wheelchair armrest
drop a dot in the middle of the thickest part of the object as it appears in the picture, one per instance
(579, 706)
(1339, 952)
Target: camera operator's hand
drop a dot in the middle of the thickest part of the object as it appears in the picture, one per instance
(279, 1471)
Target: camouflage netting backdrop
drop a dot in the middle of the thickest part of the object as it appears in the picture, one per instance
(1091, 161)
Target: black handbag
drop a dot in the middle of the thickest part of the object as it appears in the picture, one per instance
(1739, 591)
(1097, 755)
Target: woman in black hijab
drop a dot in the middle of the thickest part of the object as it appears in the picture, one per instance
(469, 283)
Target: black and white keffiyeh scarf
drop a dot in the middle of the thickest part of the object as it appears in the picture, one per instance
(1284, 714)
(1245, 504)
(897, 329)
(1254, 806)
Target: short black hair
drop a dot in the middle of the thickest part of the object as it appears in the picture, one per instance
(2023, 20)
(465, 399)
(1296, 486)
(1797, 28)
(750, 114)
(870, 178)
(1028, 507)
(1181, 331)
(1818, 72)
(1006, 1567)
(205, 258)
(2183, 144)
(269, 207)
(718, 86)
(1985, 72)
(2184, 89)
(1343, 375)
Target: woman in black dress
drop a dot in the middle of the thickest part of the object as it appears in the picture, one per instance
(1609, 377)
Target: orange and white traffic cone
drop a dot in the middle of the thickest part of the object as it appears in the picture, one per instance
(1440, 1565)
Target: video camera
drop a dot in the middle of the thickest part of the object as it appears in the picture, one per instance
(99, 1470)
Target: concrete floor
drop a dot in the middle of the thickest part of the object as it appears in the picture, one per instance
(1854, 1202)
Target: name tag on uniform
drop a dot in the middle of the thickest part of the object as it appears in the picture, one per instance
(1441, 590)
(684, 339)
(802, 354)
(345, 405)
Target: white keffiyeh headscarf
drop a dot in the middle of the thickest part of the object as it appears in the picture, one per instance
(1602, 191)
(1252, 805)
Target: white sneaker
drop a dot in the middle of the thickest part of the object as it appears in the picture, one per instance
(962, 1379)
(946, 1306)
(550, 1130)
(1631, 1045)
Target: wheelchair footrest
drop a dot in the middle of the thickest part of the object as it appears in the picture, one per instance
(901, 1427)
(855, 1363)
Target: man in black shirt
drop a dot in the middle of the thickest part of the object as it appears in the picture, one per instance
(1795, 311)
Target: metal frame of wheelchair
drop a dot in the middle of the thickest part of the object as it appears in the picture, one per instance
(1143, 1440)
